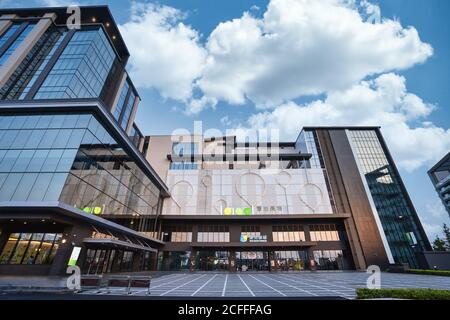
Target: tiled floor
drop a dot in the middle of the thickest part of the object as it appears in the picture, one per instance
(280, 285)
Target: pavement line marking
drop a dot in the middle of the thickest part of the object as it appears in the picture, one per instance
(168, 277)
(268, 285)
(169, 282)
(225, 286)
(251, 292)
(321, 282)
(287, 284)
(322, 288)
(180, 286)
(206, 283)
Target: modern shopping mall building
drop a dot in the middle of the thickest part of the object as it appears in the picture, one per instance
(80, 184)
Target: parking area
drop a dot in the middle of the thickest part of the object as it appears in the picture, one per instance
(279, 285)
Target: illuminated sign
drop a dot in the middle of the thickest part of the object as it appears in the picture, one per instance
(74, 257)
(245, 238)
(92, 210)
(238, 211)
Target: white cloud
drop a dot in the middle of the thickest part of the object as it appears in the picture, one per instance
(383, 102)
(303, 47)
(165, 53)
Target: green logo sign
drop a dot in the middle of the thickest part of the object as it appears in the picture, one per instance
(238, 211)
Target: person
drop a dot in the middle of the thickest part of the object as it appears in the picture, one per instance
(30, 260)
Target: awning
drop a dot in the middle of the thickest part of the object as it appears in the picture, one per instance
(118, 243)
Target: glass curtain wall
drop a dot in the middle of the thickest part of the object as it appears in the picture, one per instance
(73, 159)
(396, 215)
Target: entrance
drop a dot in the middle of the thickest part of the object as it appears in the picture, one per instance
(252, 261)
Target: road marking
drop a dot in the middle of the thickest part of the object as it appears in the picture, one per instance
(251, 292)
(320, 287)
(225, 286)
(170, 282)
(295, 287)
(181, 286)
(268, 285)
(168, 277)
(199, 289)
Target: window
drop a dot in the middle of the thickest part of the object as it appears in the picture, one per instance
(121, 102)
(288, 233)
(16, 42)
(30, 248)
(324, 232)
(330, 260)
(82, 69)
(213, 234)
(181, 233)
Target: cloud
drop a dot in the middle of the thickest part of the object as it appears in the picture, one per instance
(166, 54)
(303, 47)
(384, 102)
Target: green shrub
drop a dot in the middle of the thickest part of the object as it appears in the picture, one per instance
(411, 294)
(444, 273)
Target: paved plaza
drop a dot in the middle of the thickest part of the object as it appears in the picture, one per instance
(279, 285)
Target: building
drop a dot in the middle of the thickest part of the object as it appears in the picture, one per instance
(81, 185)
(440, 176)
(70, 154)
(333, 199)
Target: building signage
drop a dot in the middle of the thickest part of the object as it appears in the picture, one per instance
(238, 211)
(92, 210)
(245, 238)
(74, 257)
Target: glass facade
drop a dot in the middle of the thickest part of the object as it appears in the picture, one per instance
(10, 33)
(82, 69)
(290, 260)
(73, 159)
(6, 36)
(122, 100)
(27, 73)
(213, 260)
(395, 213)
(330, 260)
(174, 261)
(30, 248)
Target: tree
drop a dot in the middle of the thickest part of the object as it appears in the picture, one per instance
(439, 244)
(447, 235)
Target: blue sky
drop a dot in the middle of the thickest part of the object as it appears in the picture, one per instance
(401, 75)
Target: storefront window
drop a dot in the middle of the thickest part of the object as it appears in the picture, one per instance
(330, 260)
(30, 249)
(213, 261)
(174, 261)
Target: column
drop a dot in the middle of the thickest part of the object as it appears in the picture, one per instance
(6, 22)
(133, 115)
(119, 91)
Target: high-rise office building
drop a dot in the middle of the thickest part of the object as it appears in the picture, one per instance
(440, 176)
(70, 153)
(80, 184)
